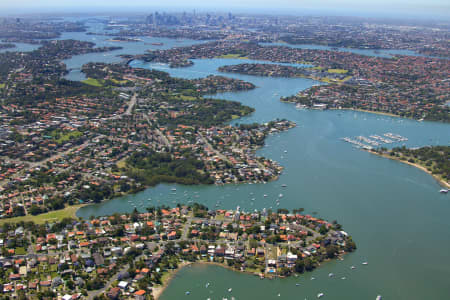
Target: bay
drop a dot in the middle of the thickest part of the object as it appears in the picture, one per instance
(394, 212)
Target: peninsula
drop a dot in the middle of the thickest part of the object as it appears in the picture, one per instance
(131, 255)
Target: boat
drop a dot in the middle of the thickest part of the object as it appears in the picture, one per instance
(280, 195)
(283, 185)
(173, 189)
(343, 278)
(297, 284)
(352, 267)
(188, 293)
(331, 275)
(365, 263)
(378, 297)
(230, 289)
(265, 195)
(156, 44)
(300, 106)
(320, 295)
(443, 191)
(279, 295)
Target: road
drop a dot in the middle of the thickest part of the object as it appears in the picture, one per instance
(163, 137)
(31, 165)
(95, 293)
(220, 155)
(131, 105)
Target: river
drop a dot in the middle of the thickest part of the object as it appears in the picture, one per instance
(394, 212)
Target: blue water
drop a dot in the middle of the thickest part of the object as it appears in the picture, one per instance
(387, 53)
(75, 63)
(394, 212)
(21, 47)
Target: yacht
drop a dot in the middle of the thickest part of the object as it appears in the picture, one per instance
(230, 289)
(365, 263)
(443, 191)
(319, 295)
(378, 297)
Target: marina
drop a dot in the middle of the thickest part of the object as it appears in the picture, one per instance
(320, 184)
(375, 140)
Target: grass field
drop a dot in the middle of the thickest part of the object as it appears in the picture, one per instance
(2, 85)
(93, 82)
(338, 71)
(232, 56)
(57, 215)
(68, 136)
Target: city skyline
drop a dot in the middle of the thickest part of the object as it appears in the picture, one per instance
(431, 8)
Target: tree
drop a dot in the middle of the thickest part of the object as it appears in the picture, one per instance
(331, 251)
(299, 266)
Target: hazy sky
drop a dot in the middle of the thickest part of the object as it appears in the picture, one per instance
(388, 7)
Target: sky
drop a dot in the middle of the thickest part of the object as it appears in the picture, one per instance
(431, 8)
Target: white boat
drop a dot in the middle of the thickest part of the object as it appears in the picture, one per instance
(365, 263)
(283, 185)
(173, 189)
(265, 195)
(443, 191)
(352, 267)
(187, 293)
(230, 289)
(280, 195)
(378, 297)
(320, 295)
(331, 275)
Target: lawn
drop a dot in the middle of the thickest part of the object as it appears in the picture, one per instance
(231, 55)
(186, 97)
(2, 85)
(93, 82)
(338, 71)
(20, 251)
(57, 215)
(65, 137)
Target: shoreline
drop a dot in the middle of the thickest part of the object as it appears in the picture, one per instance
(441, 181)
(373, 112)
(159, 290)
